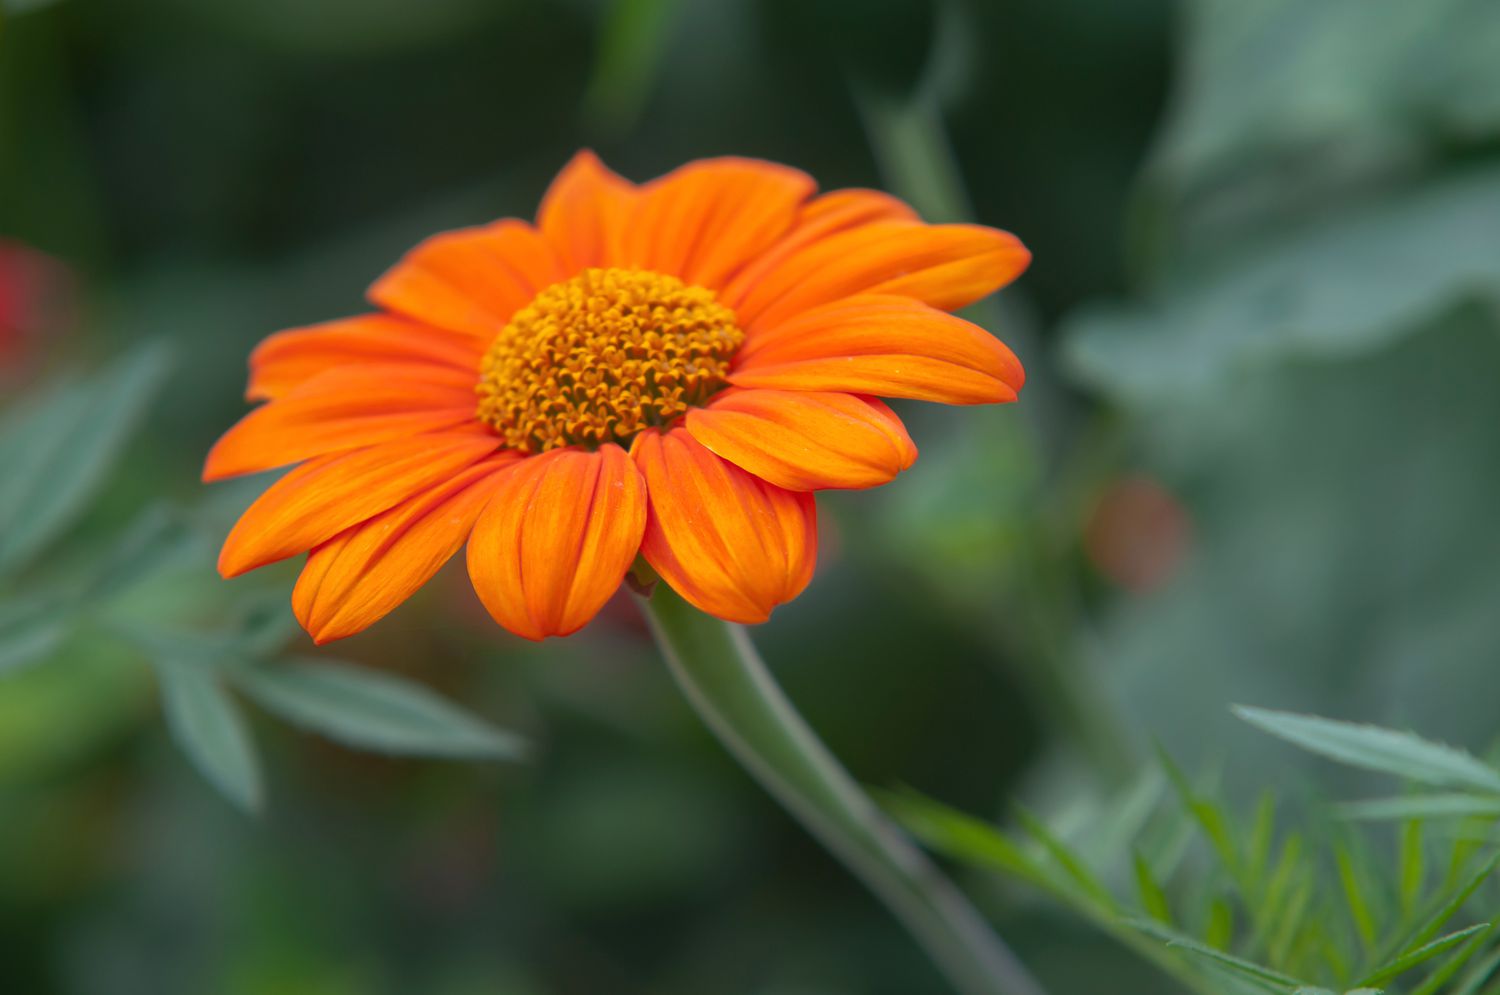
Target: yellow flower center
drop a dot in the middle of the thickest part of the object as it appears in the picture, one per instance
(602, 356)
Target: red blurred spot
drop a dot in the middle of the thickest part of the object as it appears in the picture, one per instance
(35, 303)
(1137, 534)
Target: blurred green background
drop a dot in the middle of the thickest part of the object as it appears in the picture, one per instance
(1257, 461)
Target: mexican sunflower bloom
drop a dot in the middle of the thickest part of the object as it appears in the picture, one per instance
(667, 371)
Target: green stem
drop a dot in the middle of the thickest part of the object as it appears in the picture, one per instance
(724, 678)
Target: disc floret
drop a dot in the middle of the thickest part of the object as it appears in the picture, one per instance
(602, 356)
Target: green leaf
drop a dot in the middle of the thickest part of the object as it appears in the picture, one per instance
(1283, 83)
(962, 837)
(30, 632)
(1290, 922)
(1218, 932)
(1289, 871)
(633, 36)
(156, 537)
(1434, 982)
(1478, 974)
(1401, 754)
(1261, 837)
(1422, 954)
(1324, 290)
(57, 453)
(207, 727)
(1450, 907)
(1243, 968)
(1359, 908)
(1211, 818)
(373, 710)
(1434, 806)
(1411, 866)
(1153, 898)
(1081, 876)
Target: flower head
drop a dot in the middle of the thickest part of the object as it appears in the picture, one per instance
(667, 371)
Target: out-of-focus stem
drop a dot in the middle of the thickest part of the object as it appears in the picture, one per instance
(725, 680)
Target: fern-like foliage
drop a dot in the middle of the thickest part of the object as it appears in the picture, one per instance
(1238, 903)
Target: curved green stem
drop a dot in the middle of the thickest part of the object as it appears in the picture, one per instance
(724, 678)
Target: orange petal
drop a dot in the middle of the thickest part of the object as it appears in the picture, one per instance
(356, 578)
(556, 539)
(947, 266)
(345, 408)
(730, 543)
(322, 498)
(471, 280)
(805, 440)
(289, 358)
(585, 211)
(887, 346)
(835, 211)
(705, 220)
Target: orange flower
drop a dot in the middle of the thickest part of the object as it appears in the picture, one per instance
(666, 370)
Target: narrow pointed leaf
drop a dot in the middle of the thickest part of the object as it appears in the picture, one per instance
(1431, 806)
(1421, 955)
(1412, 866)
(1478, 974)
(1210, 817)
(1238, 965)
(1081, 877)
(208, 728)
(1400, 754)
(958, 835)
(1359, 908)
(58, 452)
(1434, 982)
(1449, 908)
(374, 711)
(1153, 898)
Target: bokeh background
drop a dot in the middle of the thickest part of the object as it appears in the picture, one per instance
(1257, 460)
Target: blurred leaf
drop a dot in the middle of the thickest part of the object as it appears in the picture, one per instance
(963, 837)
(207, 726)
(1218, 932)
(1333, 288)
(1153, 898)
(30, 631)
(1090, 886)
(1442, 806)
(1401, 754)
(632, 38)
(1412, 866)
(375, 711)
(1272, 980)
(1478, 974)
(1281, 80)
(1422, 954)
(1448, 909)
(157, 536)
(1210, 816)
(1359, 907)
(1434, 982)
(58, 452)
